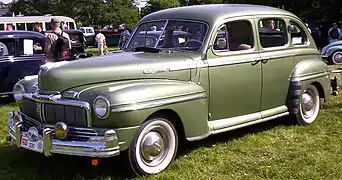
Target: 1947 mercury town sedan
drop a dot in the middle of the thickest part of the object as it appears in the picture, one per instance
(238, 65)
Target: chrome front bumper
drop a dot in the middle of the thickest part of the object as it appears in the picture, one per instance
(97, 146)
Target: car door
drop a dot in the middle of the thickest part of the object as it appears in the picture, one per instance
(7, 52)
(277, 64)
(29, 56)
(234, 74)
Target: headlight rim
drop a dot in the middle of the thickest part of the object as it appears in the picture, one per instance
(22, 88)
(107, 108)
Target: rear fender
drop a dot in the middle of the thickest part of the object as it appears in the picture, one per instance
(332, 50)
(308, 72)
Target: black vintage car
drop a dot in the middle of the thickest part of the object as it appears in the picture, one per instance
(21, 54)
(78, 44)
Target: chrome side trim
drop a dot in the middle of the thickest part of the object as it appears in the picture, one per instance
(278, 57)
(193, 64)
(309, 76)
(249, 123)
(56, 99)
(227, 122)
(273, 111)
(249, 118)
(158, 102)
(227, 61)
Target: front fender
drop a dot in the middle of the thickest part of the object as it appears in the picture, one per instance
(134, 101)
(330, 51)
(29, 83)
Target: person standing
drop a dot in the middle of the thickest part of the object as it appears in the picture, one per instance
(9, 27)
(125, 35)
(334, 33)
(100, 40)
(57, 44)
(37, 27)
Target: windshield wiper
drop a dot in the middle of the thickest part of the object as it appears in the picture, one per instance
(147, 49)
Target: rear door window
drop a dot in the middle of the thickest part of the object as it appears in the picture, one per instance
(272, 32)
(29, 47)
(7, 47)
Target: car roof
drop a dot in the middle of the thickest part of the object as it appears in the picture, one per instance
(158, 32)
(18, 33)
(211, 13)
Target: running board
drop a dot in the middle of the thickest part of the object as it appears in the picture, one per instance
(249, 123)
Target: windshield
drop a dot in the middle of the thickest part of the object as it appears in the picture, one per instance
(172, 34)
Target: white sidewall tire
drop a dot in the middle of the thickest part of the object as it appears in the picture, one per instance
(300, 116)
(333, 57)
(135, 157)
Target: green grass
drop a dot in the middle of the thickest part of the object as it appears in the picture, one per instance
(96, 52)
(273, 150)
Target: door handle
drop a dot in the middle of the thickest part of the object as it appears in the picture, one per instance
(255, 62)
(265, 60)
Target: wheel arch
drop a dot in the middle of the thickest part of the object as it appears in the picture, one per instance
(172, 116)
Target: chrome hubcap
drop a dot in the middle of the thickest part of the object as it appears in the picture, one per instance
(153, 148)
(338, 58)
(308, 105)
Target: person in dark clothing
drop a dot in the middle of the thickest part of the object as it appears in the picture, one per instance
(334, 33)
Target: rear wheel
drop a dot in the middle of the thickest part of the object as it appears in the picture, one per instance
(336, 58)
(309, 106)
(154, 147)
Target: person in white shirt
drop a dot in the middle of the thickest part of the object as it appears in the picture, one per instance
(100, 40)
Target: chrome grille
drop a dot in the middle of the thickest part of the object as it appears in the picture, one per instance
(53, 113)
(73, 132)
(71, 115)
(29, 108)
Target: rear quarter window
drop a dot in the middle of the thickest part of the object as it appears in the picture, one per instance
(272, 32)
(7, 47)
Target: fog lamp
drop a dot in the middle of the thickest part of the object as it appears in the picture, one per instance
(17, 118)
(61, 130)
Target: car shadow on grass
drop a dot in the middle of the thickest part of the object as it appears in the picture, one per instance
(22, 164)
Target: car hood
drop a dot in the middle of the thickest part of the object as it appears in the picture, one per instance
(119, 66)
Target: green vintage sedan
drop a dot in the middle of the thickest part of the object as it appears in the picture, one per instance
(186, 73)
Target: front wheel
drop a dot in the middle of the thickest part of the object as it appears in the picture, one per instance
(309, 106)
(154, 147)
(336, 58)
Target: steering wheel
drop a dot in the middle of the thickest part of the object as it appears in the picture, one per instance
(193, 44)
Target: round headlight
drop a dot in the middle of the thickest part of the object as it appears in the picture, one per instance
(18, 91)
(101, 107)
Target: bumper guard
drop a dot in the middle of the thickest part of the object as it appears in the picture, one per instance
(97, 146)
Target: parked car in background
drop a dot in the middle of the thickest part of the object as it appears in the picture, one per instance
(333, 52)
(21, 54)
(78, 45)
(212, 69)
(89, 34)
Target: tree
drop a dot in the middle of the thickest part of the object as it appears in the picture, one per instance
(156, 5)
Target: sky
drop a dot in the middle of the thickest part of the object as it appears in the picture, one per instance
(6, 1)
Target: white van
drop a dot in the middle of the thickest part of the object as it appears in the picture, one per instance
(89, 35)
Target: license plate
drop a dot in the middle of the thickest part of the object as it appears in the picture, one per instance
(32, 141)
